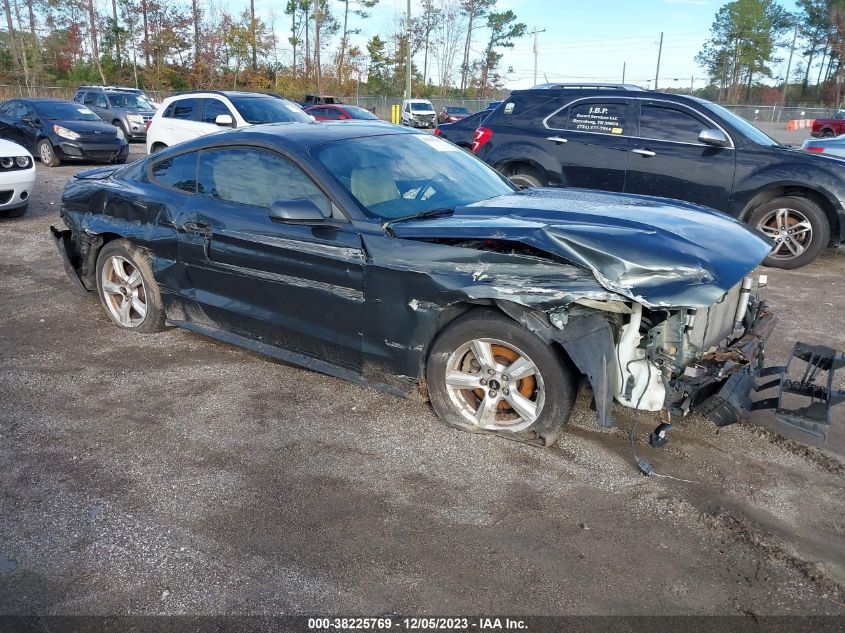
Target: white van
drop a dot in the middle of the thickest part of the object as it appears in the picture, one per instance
(418, 113)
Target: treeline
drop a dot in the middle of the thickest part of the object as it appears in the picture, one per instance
(749, 37)
(190, 44)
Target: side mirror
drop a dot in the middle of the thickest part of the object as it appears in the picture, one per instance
(300, 211)
(31, 120)
(224, 120)
(713, 137)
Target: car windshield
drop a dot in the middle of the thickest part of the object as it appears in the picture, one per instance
(410, 174)
(744, 127)
(361, 113)
(128, 100)
(257, 110)
(458, 110)
(421, 107)
(65, 111)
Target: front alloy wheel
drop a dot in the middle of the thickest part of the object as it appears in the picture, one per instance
(127, 288)
(798, 227)
(495, 385)
(123, 292)
(487, 373)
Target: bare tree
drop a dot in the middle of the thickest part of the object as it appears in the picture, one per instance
(473, 10)
(95, 48)
(195, 16)
(447, 41)
(12, 40)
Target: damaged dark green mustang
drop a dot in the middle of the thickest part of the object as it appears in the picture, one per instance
(392, 258)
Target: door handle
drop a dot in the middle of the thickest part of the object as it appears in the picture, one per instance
(557, 139)
(644, 152)
(197, 228)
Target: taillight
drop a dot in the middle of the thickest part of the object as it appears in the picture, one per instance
(818, 150)
(482, 135)
(437, 131)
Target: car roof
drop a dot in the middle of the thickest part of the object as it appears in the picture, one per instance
(38, 100)
(298, 137)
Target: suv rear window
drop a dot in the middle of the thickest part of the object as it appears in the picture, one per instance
(184, 109)
(596, 117)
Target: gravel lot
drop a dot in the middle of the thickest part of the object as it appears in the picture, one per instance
(169, 474)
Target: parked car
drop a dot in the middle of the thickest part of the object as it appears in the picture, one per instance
(392, 258)
(126, 110)
(828, 128)
(135, 91)
(311, 100)
(418, 113)
(340, 113)
(462, 132)
(672, 146)
(189, 115)
(828, 146)
(450, 114)
(57, 130)
(17, 178)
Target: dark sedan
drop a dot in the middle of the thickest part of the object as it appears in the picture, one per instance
(56, 130)
(392, 258)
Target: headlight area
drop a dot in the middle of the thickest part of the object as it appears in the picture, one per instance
(65, 133)
(12, 163)
(677, 359)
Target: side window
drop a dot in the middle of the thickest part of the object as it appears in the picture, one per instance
(212, 108)
(90, 99)
(331, 113)
(184, 109)
(668, 124)
(596, 117)
(7, 108)
(257, 178)
(179, 172)
(102, 102)
(78, 95)
(168, 111)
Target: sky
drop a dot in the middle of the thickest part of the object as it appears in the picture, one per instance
(583, 40)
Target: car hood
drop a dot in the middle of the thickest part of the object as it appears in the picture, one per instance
(8, 148)
(137, 111)
(656, 251)
(87, 126)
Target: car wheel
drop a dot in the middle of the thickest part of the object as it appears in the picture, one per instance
(828, 133)
(47, 154)
(157, 147)
(524, 176)
(799, 227)
(15, 213)
(127, 288)
(488, 373)
(121, 160)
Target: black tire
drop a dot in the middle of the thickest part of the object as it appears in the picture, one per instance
(809, 244)
(47, 154)
(120, 127)
(827, 133)
(553, 378)
(121, 160)
(524, 176)
(153, 319)
(15, 213)
(157, 147)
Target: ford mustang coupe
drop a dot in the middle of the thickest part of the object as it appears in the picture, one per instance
(393, 258)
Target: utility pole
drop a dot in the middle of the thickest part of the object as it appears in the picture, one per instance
(659, 53)
(536, 50)
(691, 81)
(624, 64)
(789, 65)
(408, 70)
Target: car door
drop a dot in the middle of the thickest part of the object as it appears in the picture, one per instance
(589, 138)
(291, 285)
(180, 120)
(666, 158)
(28, 126)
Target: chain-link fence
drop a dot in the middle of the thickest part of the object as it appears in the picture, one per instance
(382, 105)
(776, 117)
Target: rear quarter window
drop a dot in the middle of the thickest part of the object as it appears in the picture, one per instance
(176, 172)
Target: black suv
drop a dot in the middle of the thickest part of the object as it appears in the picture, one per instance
(624, 138)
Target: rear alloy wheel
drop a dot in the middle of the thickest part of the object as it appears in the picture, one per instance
(487, 373)
(797, 225)
(127, 289)
(524, 176)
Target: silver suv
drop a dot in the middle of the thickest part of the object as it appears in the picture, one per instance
(128, 110)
